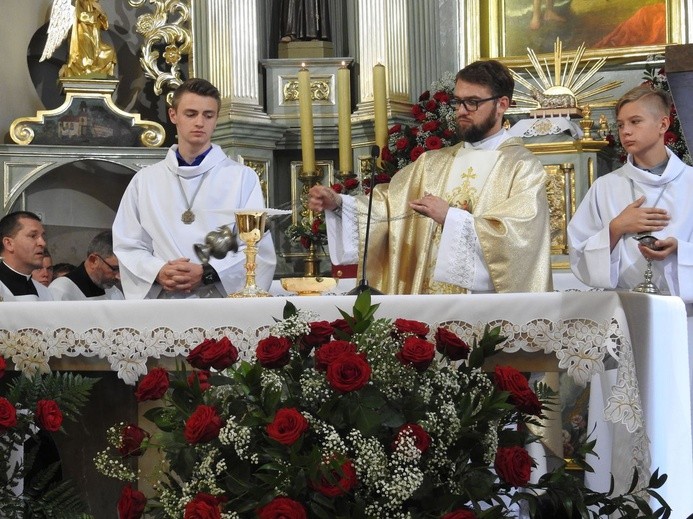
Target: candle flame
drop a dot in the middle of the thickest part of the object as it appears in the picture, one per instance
(343, 63)
(303, 65)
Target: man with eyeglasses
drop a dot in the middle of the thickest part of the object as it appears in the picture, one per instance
(471, 217)
(95, 278)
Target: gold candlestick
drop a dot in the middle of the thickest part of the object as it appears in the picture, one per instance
(251, 228)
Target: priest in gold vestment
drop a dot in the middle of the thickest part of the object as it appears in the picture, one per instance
(471, 217)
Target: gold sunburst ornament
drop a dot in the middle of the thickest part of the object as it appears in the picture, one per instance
(566, 90)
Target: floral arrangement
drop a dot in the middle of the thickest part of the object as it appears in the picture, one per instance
(434, 128)
(310, 230)
(673, 138)
(356, 418)
(29, 408)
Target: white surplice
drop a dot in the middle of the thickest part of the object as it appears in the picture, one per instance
(148, 231)
(64, 289)
(588, 231)
(43, 294)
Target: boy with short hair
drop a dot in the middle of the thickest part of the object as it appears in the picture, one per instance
(649, 195)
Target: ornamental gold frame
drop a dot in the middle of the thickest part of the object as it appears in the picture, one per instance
(486, 37)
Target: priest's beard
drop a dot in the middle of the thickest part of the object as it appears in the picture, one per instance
(478, 131)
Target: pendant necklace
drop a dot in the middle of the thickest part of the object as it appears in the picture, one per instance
(188, 216)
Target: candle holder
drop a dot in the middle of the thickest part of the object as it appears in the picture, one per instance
(586, 123)
(251, 228)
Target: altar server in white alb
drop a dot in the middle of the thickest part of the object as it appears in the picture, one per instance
(175, 203)
(22, 247)
(651, 194)
(96, 278)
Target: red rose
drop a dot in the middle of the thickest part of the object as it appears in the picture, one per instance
(509, 379)
(430, 126)
(670, 138)
(448, 133)
(394, 129)
(153, 386)
(330, 351)
(402, 144)
(203, 425)
(337, 482)
(513, 465)
(282, 508)
(320, 333)
(425, 96)
(416, 352)
(414, 132)
(417, 112)
(203, 506)
(315, 227)
(202, 377)
(386, 155)
(337, 188)
(431, 105)
(441, 97)
(422, 440)
(131, 503)
(407, 327)
(273, 352)
(382, 178)
(48, 415)
(348, 372)
(305, 242)
(527, 402)
(287, 427)
(3, 367)
(462, 513)
(450, 345)
(194, 357)
(433, 142)
(131, 438)
(213, 354)
(416, 153)
(351, 183)
(342, 326)
(8, 414)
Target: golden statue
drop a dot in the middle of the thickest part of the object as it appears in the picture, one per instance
(88, 55)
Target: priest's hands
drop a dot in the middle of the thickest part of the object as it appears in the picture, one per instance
(432, 206)
(637, 219)
(180, 275)
(321, 198)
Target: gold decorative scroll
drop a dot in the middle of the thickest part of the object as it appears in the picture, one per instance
(174, 35)
(319, 90)
(560, 190)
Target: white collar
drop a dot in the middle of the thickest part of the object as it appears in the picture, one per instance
(490, 143)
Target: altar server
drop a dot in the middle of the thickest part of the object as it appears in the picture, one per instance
(651, 194)
(175, 203)
(95, 278)
(485, 224)
(23, 244)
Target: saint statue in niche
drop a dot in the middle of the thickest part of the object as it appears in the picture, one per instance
(88, 54)
(304, 20)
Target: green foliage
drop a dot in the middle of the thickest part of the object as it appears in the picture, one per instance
(42, 496)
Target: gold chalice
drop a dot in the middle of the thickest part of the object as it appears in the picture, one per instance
(251, 228)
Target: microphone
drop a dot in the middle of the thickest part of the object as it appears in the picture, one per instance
(363, 283)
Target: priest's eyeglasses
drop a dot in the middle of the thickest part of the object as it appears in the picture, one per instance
(471, 105)
(114, 268)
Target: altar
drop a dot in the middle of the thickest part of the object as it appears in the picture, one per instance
(646, 410)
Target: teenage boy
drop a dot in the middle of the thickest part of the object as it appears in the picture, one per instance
(649, 195)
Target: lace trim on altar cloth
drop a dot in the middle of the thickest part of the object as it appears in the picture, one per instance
(581, 346)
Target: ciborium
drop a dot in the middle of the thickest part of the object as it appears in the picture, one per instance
(251, 228)
(647, 286)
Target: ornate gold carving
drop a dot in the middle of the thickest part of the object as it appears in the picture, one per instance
(260, 167)
(560, 190)
(319, 90)
(164, 68)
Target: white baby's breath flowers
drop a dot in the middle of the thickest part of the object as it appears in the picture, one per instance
(113, 467)
(294, 326)
(239, 438)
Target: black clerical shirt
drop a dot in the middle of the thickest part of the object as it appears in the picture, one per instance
(80, 278)
(18, 284)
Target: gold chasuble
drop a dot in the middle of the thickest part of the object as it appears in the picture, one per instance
(506, 194)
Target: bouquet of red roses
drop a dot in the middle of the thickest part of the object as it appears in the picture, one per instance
(33, 405)
(356, 418)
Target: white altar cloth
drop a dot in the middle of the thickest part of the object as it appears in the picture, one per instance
(646, 335)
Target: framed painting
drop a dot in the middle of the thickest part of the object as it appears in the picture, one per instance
(621, 30)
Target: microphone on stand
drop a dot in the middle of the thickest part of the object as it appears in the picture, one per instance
(363, 283)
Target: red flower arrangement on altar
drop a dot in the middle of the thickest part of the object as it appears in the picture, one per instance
(673, 138)
(30, 406)
(308, 232)
(357, 418)
(435, 127)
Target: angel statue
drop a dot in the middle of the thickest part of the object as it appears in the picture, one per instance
(88, 54)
